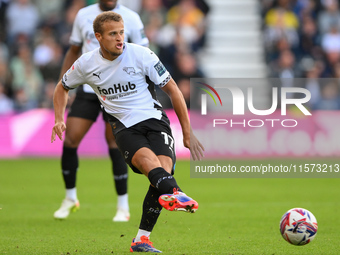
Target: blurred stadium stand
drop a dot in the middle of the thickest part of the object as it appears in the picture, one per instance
(211, 38)
(234, 47)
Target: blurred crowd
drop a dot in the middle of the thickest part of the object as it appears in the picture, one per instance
(34, 37)
(302, 40)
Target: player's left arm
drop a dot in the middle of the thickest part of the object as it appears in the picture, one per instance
(189, 139)
(60, 97)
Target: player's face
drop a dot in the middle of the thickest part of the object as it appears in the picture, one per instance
(112, 39)
(107, 5)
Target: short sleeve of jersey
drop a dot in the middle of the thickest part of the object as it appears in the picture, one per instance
(76, 37)
(155, 69)
(73, 77)
(137, 35)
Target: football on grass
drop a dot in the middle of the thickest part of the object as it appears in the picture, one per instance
(298, 226)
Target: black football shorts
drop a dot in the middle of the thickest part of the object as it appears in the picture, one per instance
(153, 134)
(86, 108)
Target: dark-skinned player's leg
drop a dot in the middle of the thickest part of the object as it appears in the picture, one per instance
(76, 128)
(120, 176)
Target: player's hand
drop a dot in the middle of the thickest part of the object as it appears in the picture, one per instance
(58, 130)
(195, 147)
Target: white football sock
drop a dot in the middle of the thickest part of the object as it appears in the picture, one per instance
(140, 233)
(123, 202)
(72, 194)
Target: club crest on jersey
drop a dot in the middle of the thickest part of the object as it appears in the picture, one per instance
(129, 70)
(97, 75)
(160, 68)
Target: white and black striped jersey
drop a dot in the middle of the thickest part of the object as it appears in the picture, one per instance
(83, 35)
(121, 84)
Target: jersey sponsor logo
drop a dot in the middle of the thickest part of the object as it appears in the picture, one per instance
(90, 37)
(160, 68)
(116, 88)
(129, 70)
(69, 71)
(97, 75)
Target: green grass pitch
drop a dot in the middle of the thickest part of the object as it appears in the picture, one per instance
(236, 216)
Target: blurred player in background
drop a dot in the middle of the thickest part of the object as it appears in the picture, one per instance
(117, 72)
(86, 107)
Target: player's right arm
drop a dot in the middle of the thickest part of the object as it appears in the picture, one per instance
(71, 80)
(60, 98)
(71, 56)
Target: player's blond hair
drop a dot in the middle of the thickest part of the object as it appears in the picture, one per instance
(104, 17)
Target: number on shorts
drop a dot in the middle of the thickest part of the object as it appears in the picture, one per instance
(168, 140)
